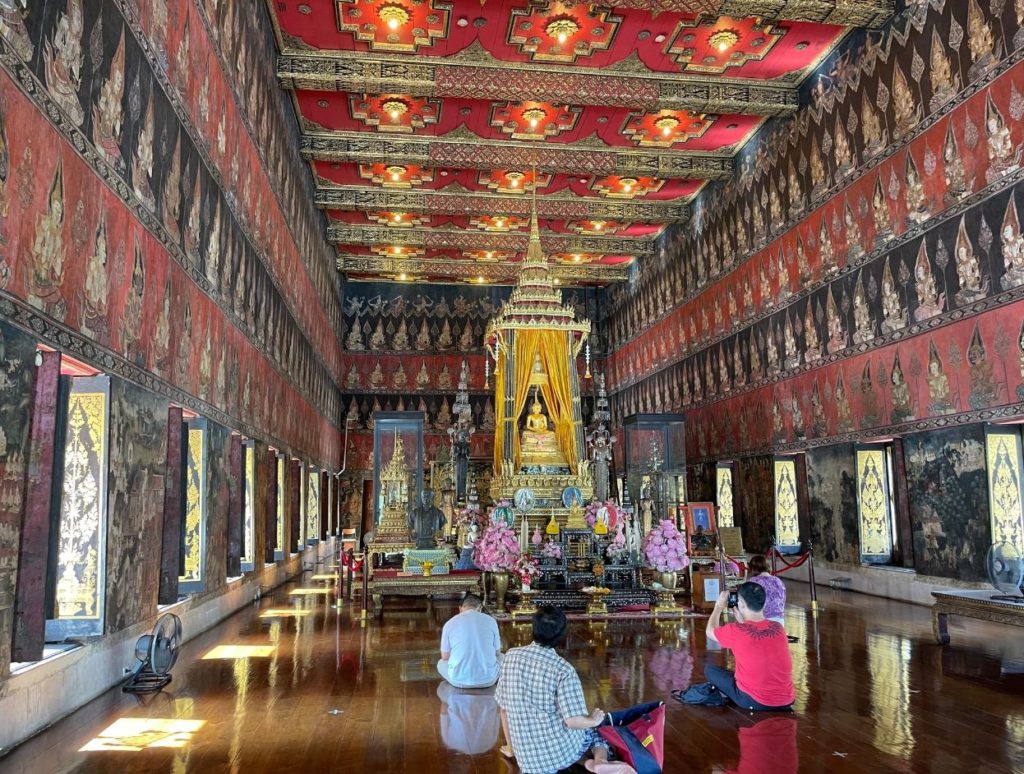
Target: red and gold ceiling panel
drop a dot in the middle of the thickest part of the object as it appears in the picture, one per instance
(666, 128)
(398, 251)
(389, 25)
(496, 224)
(393, 112)
(397, 219)
(561, 32)
(384, 175)
(617, 187)
(533, 120)
(437, 29)
(489, 256)
(717, 45)
(513, 181)
(539, 121)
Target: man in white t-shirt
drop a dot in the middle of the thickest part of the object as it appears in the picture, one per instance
(470, 647)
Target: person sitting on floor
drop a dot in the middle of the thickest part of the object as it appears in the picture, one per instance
(764, 669)
(543, 712)
(470, 647)
(774, 589)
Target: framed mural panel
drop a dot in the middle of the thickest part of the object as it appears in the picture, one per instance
(279, 552)
(787, 522)
(874, 504)
(81, 540)
(313, 507)
(248, 504)
(1005, 460)
(193, 576)
(724, 494)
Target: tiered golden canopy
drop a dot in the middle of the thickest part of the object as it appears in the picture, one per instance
(535, 326)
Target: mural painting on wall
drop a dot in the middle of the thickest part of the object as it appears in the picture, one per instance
(859, 250)
(172, 264)
(949, 510)
(832, 495)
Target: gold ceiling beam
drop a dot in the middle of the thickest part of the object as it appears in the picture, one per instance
(464, 239)
(463, 150)
(485, 78)
(462, 202)
(844, 13)
(470, 271)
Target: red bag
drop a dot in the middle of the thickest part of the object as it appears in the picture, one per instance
(637, 736)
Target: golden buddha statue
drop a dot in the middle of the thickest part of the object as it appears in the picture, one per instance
(539, 444)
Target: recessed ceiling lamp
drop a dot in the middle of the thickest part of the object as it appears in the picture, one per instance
(398, 217)
(396, 250)
(396, 173)
(393, 15)
(514, 178)
(627, 184)
(403, 276)
(598, 225)
(534, 116)
(723, 40)
(577, 258)
(480, 280)
(395, 108)
(667, 124)
(561, 28)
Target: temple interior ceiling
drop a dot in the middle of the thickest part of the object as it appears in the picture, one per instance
(428, 124)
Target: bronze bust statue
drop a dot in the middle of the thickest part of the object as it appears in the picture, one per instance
(426, 521)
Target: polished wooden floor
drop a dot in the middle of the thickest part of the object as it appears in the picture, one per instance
(874, 694)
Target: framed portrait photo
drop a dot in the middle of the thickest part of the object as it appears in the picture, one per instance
(700, 527)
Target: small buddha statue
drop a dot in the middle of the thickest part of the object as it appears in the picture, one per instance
(539, 444)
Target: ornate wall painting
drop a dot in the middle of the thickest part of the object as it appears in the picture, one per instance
(948, 493)
(196, 506)
(873, 503)
(17, 368)
(787, 527)
(1004, 464)
(280, 464)
(832, 494)
(312, 506)
(218, 467)
(724, 495)
(248, 505)
(81, 546)
(138, 440)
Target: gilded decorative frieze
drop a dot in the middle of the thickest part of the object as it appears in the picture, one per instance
(493, 80)
(475, 153)
(462, 239)
(472, 271)
(486, 203)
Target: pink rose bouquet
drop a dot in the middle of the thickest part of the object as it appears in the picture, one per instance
(469, 516)
(590, 514)
(664, 548)
(497, 548)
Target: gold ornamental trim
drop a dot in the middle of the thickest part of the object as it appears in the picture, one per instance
(464, 202)
(463, 239)
(477, 153)
(504, 273)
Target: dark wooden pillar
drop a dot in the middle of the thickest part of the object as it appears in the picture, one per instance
(294, 510)
(803, 501)
(172, 539)
(325, 505)
(905, 535)
(269, 466)
(34, 551)
(236, 483)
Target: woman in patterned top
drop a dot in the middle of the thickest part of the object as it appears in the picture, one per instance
(543, 712)
(774, 589)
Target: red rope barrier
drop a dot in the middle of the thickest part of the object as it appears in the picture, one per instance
(791, 565)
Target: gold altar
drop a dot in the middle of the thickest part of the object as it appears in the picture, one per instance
(391, 535)
(539, 443)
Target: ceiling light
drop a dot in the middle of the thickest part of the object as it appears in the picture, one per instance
(394, 15)
(666, 124)
(398, 217)
(397, 250)
(659, 38)
(628, 183)
(561, 28)
(480, 280)
(514, 183)
(577, 258)
(598, 225)
(395, 176)
(723, 40)
(558, 281)
(402, 276)
(489, 253)
(534, 116)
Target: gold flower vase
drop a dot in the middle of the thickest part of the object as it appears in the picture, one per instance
(500, 582)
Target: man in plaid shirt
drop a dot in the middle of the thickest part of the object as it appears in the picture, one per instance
(543, 712)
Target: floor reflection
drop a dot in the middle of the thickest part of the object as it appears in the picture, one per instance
(768, 745)
(469, 719)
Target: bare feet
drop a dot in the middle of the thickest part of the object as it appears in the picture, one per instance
(506, 750)
(605, 767)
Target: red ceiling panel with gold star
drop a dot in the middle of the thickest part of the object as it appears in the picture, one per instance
(430, 124)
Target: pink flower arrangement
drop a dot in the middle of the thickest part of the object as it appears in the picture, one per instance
(664, 548)
(595, 505)
(551, 550)
(497, 548)
(526, 569)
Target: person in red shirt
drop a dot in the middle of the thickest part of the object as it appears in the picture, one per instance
(764, 669)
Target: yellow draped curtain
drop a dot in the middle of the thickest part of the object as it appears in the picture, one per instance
(556, 361)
